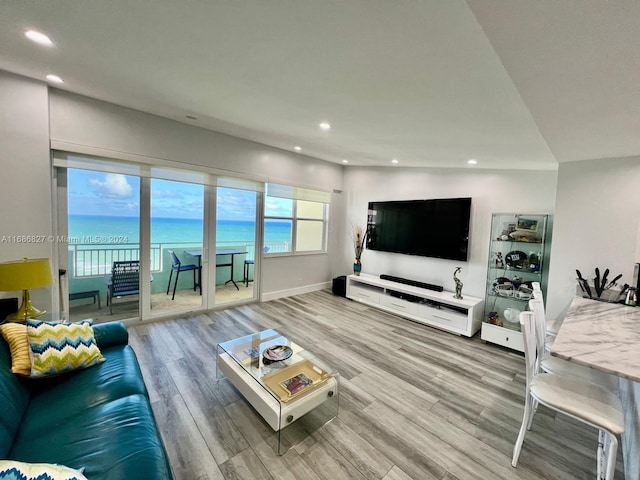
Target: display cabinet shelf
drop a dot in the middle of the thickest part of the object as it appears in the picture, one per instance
(518, 256)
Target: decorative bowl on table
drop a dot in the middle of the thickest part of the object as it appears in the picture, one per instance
(277, 353)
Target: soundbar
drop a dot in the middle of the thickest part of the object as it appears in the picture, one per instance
(413, 283)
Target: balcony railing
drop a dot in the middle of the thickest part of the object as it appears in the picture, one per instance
(97, 260)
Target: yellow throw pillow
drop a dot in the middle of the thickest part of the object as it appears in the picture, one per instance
(16, 336)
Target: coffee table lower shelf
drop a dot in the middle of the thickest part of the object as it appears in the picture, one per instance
(276, 414)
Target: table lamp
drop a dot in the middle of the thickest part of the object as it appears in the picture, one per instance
(24, 275)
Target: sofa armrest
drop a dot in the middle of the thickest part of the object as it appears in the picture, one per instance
(111, 334)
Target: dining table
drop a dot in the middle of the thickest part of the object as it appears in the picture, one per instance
(220, 252)
(606, 337)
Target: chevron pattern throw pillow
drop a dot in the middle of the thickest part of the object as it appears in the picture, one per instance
(56, 348)
(12, 470)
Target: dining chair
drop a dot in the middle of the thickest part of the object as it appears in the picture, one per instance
(550, 331)
(584, 401)
(176, 266)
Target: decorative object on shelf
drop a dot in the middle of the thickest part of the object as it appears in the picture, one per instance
(499, 260)
(512, 315)
(517, 260)
(359, 237)
(534, 262)
(524, 292)
(357, 267)
(458, 294)
(25, 275)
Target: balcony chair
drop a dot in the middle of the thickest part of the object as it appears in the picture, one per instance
(247, 264)
(123, 281)
(176, 266)
(587, 402)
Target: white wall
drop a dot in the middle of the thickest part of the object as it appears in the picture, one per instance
(85, 125)
(596, 225)
(82, 124)
(26, 190)
(492, 191)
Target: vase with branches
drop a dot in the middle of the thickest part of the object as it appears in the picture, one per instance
(359, 237)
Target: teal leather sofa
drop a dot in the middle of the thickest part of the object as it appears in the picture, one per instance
(98, 418)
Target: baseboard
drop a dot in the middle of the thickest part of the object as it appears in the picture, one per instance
(265, 297)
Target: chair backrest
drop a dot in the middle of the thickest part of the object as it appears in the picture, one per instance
(540, 325)
(175, 262)
(527, 323)
(537, 292)
(125, 276)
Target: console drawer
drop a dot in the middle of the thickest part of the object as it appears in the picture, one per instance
(443, 317)
(357, 292)
(401, 306)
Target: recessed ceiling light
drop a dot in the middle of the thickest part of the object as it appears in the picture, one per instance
(394, 161)
(191, 117)
(345, 161)
(472, 161)
(38, 37)
(54, 78)
(297, 148)
(326, 126)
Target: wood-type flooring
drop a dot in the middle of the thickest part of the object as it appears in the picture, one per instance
(415, 402)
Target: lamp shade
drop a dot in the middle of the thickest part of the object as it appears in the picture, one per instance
(25, 274)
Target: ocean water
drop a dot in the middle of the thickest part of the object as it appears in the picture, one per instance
(107, 230)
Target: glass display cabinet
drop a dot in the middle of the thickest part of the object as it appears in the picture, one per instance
(518, 256)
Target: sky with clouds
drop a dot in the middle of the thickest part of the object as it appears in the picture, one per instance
(109, 194)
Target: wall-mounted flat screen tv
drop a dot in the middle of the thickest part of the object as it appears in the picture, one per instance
(432, 228)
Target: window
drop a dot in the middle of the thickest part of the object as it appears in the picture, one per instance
(294, 225)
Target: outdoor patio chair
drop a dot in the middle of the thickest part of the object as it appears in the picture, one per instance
(176, 266)
(123, 281)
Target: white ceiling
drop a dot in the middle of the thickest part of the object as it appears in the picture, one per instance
(514, 84)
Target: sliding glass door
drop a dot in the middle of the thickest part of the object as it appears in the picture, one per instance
(136, 246)
(236, 248)
(103, 226)
(177, 240)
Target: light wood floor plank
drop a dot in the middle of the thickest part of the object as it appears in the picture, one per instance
(415, 402)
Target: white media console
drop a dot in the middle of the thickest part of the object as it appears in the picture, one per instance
(436, 309)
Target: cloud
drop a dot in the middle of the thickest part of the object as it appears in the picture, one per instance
(113, 186)
(158, 193)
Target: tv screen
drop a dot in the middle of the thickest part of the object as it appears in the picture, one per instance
(431, 228)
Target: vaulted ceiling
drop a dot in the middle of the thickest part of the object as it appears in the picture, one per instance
(512, 84)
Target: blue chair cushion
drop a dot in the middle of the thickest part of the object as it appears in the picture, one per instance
(184, 267)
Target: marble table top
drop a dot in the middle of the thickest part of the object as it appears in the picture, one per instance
(601, 335)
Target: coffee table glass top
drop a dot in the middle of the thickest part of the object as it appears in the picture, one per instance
(249, 353)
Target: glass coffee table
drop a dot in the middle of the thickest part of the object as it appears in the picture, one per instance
(293, 391)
